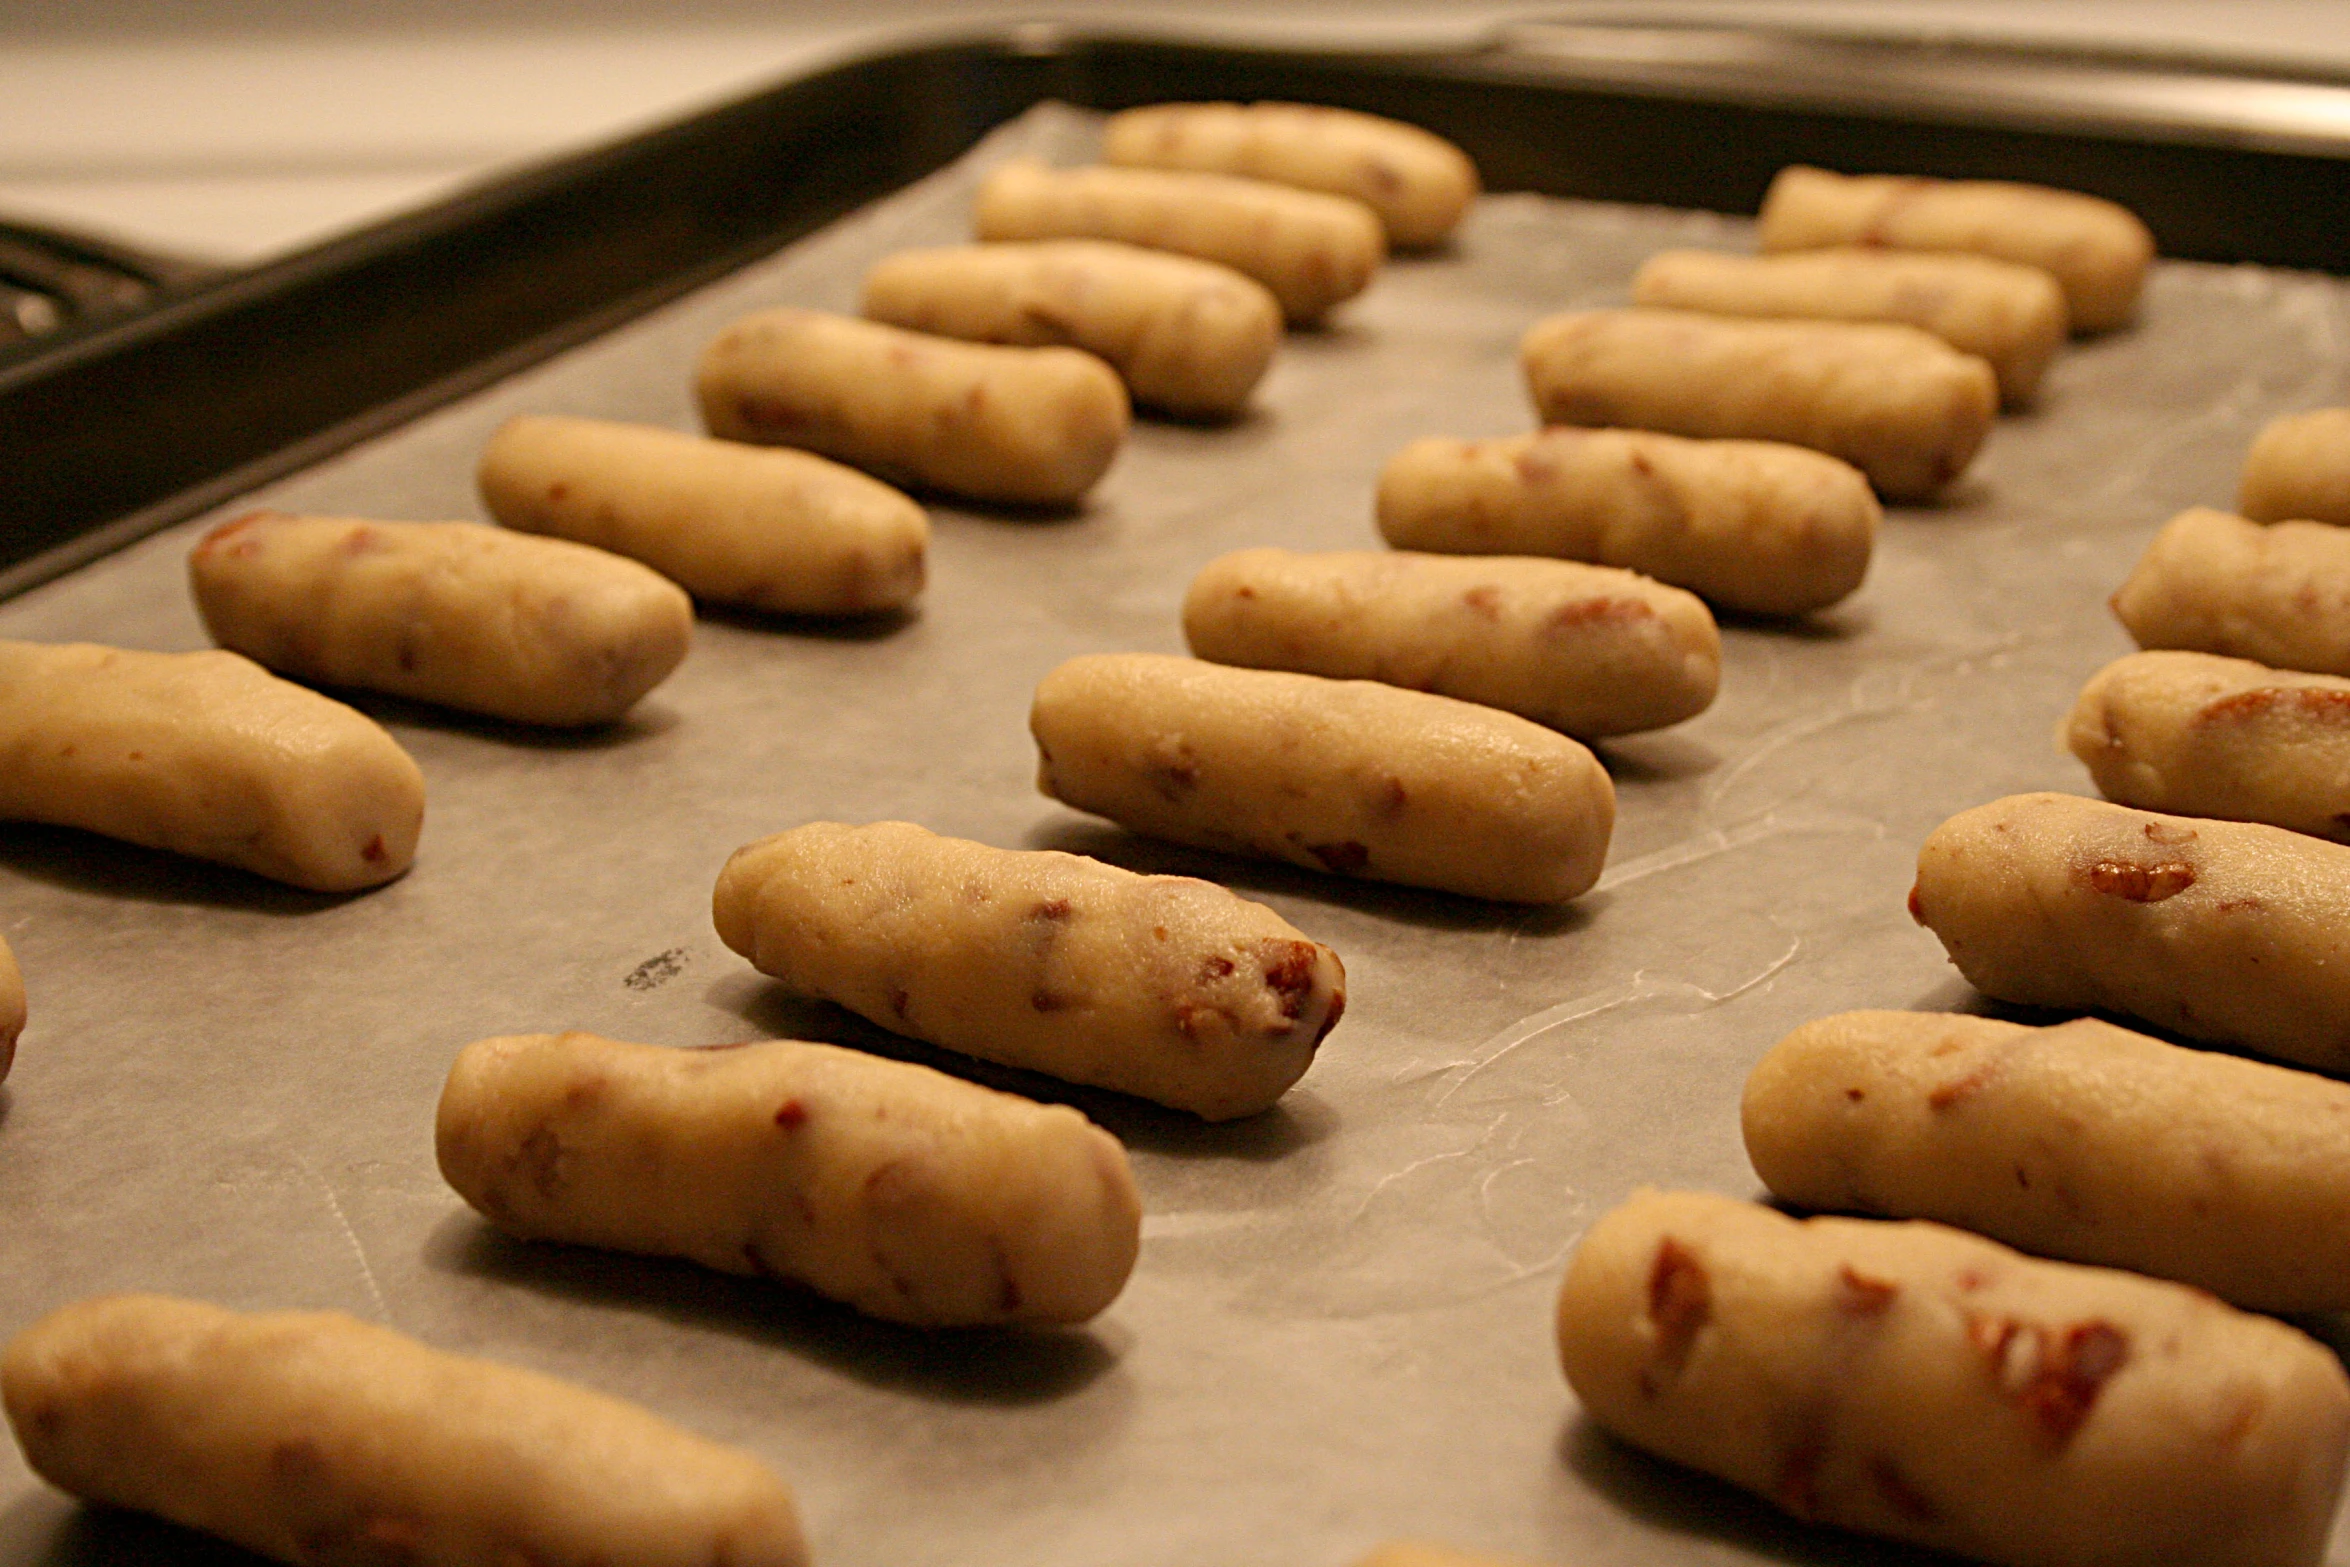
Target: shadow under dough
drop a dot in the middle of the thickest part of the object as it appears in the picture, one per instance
(999, 1366)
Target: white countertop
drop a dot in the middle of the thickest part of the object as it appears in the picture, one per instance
(240, 131)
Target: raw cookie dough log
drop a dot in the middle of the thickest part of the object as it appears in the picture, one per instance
(1162, 986)
(1756, 526)
(314, 1438)
(205, 754)
(1336, 775)
(2011, 317)
(12, 1009)
(1913, 1381)
(2097, 250)
(1899, 404)
(539, 631)
(1188, 336)
(1585, 649)
(1312, 250)
(2226, 931)
(772, 529)
(2212, 583)
(1420, 184)
(1032, 426)
(911, 1195)
(2300, 468)
(2200, 735)
(2082, 1141)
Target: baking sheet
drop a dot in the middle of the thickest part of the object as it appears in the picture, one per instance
(1339, 1330)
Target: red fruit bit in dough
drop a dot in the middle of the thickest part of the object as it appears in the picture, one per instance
(1680, 1304)
(791, 1115)
(1917, 910)
(2139, 883)
(1858, 1295)
(2053, 1378)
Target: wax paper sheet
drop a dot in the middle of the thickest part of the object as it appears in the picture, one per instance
(1339, 1330)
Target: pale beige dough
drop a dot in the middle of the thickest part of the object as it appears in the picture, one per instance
(911, 1195)
(2082, 1141)
(1411, 1553)
(313, 1438)
(1314, 251)
(539, 631)
(2011, 317)
(2227, 931)
(768, 528)
(1918, 1382)
(1420, 184)
(1190, 337)
(1756, 526)
(1348, 776)
(1031, 426)
(205, 754)
(12, 1009)
(1899, 404)
(1589, 650)
(2299, 468)
(2277, 593)
(2097, 250)
(1166, 987)
(2200, 735)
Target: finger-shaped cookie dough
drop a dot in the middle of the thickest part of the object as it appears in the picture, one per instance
(315, 1438)
(12, 1009)
(2011, 317)
(1189, 337)
(909, 1194)
(2199, 735)
(1166, 987)
(2097, 250)
(205, 754)
(539, 631)
(2082, 1141)
(2227, 931)
(1032, 426)
(1420, 184)
(1585, 649)
(2299, 468)
(2276, 593)
(1899, 404)
(1918, 1382)
(1314, 251)
(1757, 526)
(768, 528)
(1347, 776)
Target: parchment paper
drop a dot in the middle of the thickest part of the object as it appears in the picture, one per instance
(1340, 1327)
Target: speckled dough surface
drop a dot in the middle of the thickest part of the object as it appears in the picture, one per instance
(540, 631)
(2080, 1140)
(1032, 426)
(1190, 337)
(764, 527)
(1314, 251)
(205, 754)
(1588, 650)
(2098, 251)
(909, 1194)
(1419, 183)
(314, 1437)
(2226, 931)
(2198, 735)
(2211, 582)
(1919, 1382)
(1347, 776)
(1758, 526)
(1162, 986)
(2012, 317)
(1897, 403)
